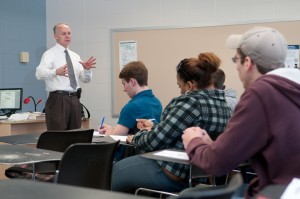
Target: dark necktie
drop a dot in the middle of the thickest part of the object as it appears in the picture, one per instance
(71, 71)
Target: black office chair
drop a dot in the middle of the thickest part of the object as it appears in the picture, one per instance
(61, 140)
(50, 140)
(217, 192)
(87, 165)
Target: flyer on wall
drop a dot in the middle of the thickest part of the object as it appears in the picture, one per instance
(127, 52)
(292, 57)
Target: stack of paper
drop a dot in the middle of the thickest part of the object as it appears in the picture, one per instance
(19, 116)
(37, 116)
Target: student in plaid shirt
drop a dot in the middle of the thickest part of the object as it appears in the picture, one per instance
(199, 105)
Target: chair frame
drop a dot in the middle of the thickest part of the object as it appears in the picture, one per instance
(194, 173)
(214, 193)
(154, 191)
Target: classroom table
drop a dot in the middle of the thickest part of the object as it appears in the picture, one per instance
(18, 154)
(12, 127)
(174, 155)
(33, 138)
(27, 189)
(20, 139)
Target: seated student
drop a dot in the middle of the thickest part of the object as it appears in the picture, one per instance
(265, 124)
(143, 103)
(199, 105)
(230, 94)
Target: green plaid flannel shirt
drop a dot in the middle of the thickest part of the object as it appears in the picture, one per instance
(204, 108)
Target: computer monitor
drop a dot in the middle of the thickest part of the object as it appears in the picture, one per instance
(11, 99)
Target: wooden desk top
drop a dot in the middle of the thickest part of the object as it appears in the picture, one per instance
(38, 126)
(21, 121)
(10, 127)
(29, 121)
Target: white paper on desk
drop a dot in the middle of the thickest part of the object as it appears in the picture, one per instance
(19, 116)
(97, 134)
(36, 115)
(293, 190)
(122, 138)
(173, 154)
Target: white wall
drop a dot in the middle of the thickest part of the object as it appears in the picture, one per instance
(91, 21)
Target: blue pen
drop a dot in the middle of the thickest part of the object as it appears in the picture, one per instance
(102, 122)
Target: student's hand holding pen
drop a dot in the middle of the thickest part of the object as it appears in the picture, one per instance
(144, 124)
(104, 128)
(101, 129)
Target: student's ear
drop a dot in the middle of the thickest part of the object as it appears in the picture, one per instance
(248, 63)
(190, 85)
(133, 81)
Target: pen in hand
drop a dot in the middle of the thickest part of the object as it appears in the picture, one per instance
(102, 123)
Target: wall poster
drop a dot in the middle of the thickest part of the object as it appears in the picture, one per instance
(292, 57)
(127, 52)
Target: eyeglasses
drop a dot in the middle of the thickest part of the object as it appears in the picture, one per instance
(235, 58)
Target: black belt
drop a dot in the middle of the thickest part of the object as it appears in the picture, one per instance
(65, 93)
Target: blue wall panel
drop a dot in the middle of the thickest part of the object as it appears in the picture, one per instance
(22, 29)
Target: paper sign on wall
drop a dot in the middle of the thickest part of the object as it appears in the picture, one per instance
(127, 52)
(292, 57)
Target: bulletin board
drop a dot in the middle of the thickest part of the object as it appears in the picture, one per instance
(161, 49)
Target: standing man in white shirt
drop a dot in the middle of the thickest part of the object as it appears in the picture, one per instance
(63, 109)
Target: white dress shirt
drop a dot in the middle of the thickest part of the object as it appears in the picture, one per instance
(54, 58)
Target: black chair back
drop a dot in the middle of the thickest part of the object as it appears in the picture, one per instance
(87, 165)
(61, 140)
